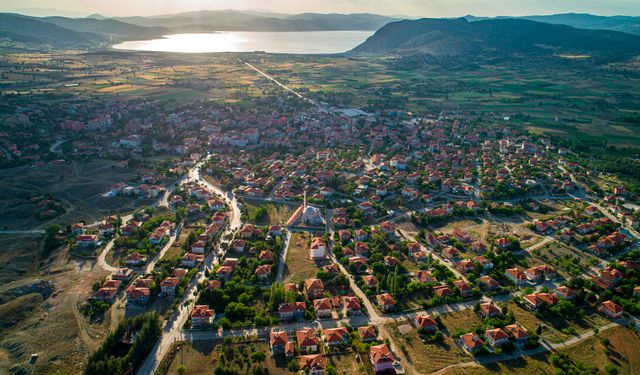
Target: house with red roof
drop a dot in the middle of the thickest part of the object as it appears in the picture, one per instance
(536, 300)
(105, 294)
(312, 364)
(352, 306)
(496, 337)
(307, 340)
(386, 302)
(335, 336)
(611, 309)
(135, 259)
(442, 291)
(201, 315)
(517, 276)
(381, 358)
(87, 240)
(368, 333)
(466, 266)
(314, 288)
(426, 323)
(464, 288)
(518, 333)
(318, 249)
(370, 281)
(263, 272)
(323, 307)
(292, 311)
(489, 310)
(471, 342)
(191, 260)
(278, 340)
(138, 295)
(489, 282)
(169, 285)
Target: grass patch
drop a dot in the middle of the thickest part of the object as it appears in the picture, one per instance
(460, 320)
(299, 267)
(202, 357)
(427, 357)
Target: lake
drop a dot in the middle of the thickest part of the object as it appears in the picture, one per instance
(298, 42)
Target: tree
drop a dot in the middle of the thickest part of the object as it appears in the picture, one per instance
(257, 357)
(293, 366)
(181, 213)
(50, 239)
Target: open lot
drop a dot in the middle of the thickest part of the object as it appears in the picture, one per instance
(201, 357)
(77, 185)
(460, 320)
(557, 329)
(567, 259)
(275, 213)
(299, 267)
(426, 357)
(54, 327)
(591, 352)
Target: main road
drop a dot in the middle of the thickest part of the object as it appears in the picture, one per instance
(172, 330)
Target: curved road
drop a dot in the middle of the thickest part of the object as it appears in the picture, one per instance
(172, 330)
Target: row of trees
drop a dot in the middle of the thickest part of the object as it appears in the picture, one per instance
(116, 355)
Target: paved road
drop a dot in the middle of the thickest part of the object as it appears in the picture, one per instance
(102, 257)
(283, 256)
(28, 231)
(435, 255)
(285, 87)
(172, 330)
(540, 244)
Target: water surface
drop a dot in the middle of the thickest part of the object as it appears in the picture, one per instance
(298, 42)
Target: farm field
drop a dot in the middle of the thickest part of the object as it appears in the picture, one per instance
(537, 96)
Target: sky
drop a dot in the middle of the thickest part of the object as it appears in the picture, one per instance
(413, 8)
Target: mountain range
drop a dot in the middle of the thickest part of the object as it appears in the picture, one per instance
(497, 38)
(227, 20)
(469, 35)
(626, 24)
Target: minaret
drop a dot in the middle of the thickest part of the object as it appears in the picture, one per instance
(304, 202)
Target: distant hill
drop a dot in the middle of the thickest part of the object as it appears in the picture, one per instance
(497, 38)
(35, 31)
(625, 24)
(233, 20)
(115, 29)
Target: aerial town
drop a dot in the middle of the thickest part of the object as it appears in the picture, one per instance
(323, 235)
(257, 213)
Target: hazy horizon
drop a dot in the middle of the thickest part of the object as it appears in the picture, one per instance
(412, 8)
